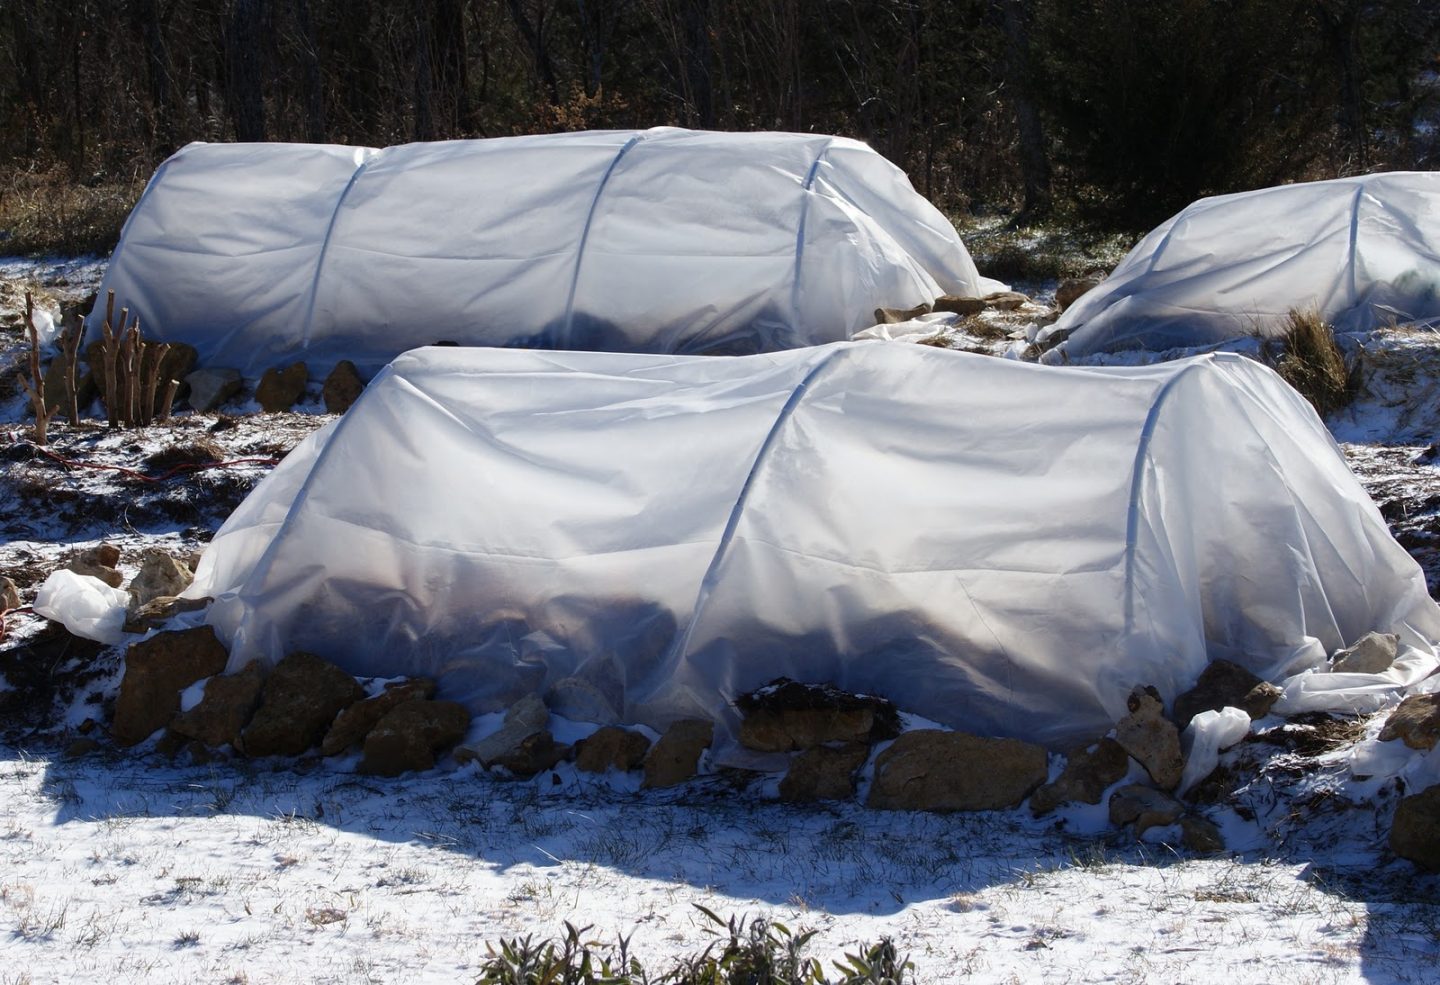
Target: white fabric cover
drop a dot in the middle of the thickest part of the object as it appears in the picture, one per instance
(661, 240)
(1363, 251)
(84, 605)
(998, 546)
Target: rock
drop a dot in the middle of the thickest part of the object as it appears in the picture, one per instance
(1072, 290)
(81, 748)
(160, 610)
(99, 562)
(1223, 684)
(209, 388)
(353, 724)
(580, 701)
(934, 770)
(1201, 835)
(226, 708)
(170, 744)
(1416, 722)
(1089, 772)
(281, 388)
(892, 316)
(9, 594)
(160, 575)
(156, 671)
(300, 700)
(178, 363)
(198, 752)
(1415, 832)
(342, 387)
(824, 773)
(1151, 739)
(533, 754)
(1144, 807)
(958, 305)
(611, 748)
(525, 718)
(785, 715)
(54, 377)
(676, 757)
(1005, 300)
(411, 733)
(1372, 654)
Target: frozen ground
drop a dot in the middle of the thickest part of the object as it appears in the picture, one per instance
(137, 869)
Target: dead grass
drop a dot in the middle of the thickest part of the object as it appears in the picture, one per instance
(1313, 364)
(45, 212)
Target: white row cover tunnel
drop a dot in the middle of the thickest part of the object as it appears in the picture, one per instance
(1362, 252)
(662, 240)
(1000, 547)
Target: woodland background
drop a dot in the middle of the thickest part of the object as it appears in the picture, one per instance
(1121, 111)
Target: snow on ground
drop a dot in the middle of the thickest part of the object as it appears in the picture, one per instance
(134, 868)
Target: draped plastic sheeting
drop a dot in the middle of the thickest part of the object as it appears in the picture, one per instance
(1362, 251)
(998, 546)
(661, 240)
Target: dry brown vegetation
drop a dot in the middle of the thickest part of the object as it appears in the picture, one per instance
(1313, 364)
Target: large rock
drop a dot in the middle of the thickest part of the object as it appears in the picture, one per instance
(824, 773)
(160, 575)
(1416, 722)
(179, 362)
(301, 698)
(9, 594)
(1223, 684)
(611, 748)
(893, 316)
(99, 562)
(675, 758)
(410, 734)
(1005, 300)
(1415, 832)
(785, 715)
(225, 710)
(581, 701)
(1072, 290)
(342, 387)
(211, 387)
(1151, 739)
(1144, 807)
(1201, 835)
(156, 671)
(533, 754)
(353, 724)
(1373, 653)
(959, 305)
(933, 770)
(281, 388)
(525, 718)
(1088, 772)
(158, 611)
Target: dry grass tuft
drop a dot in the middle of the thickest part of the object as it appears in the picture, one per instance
(46, 212)
(1313, 364)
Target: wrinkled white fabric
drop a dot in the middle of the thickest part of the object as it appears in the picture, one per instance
(1363, 251)
(1001, 547)
(85, 605)
(1208, 734)
(660, 240)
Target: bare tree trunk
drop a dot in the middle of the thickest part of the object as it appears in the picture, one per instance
(1034, 158)
(310, 74)
(698, 60)
(424, 128)
(244, 41)
(534, 35)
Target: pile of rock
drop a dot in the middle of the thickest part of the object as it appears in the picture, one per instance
(830, 740)
(303, 703)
